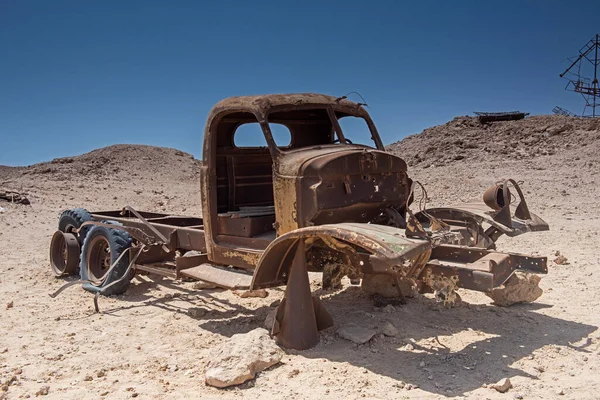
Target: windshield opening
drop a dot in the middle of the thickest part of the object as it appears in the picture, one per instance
(356, 130)
(316, 126)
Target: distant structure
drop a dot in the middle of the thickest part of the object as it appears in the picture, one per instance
(561, 111)
(587, 86)
(485, 117)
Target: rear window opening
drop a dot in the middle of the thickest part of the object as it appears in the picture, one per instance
(251, 135)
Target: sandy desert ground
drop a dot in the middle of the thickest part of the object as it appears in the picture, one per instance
(144, 344)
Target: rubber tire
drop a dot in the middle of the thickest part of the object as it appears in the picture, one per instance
(75, 218)
(118, 241)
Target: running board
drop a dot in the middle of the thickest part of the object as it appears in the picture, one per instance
(224, 277)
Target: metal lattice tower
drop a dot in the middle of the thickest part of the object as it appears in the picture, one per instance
(586, 86)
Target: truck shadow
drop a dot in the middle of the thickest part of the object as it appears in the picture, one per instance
(447, 352)
(453, 351)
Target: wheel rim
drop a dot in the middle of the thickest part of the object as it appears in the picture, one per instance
(98, 260)
(58, 255)
(64, 253)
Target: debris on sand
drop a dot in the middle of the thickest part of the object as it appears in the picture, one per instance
(260, 293)
(240, 358)
(520, 288)
(356, 334)
(14, 197)
(44, 390)
(561, 260)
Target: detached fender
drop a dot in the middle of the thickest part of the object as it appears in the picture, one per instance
(375, 249)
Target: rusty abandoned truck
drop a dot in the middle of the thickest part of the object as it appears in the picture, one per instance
(320, 201)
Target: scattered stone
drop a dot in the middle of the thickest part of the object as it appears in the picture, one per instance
(88, 378)
(173, 368)
(203, 285)
(104, 394)
(261, 293)
(270, 320)
(276, 303)
(561, 260)
(44, 390)
(502, 385)
(240, 358)
(389, 309)
(101, 373)
(520, 288)
(356, 334)
(560, 392)
(197, 312)
(10, 305)
(293, 373)
(422, 364)
(389, 329)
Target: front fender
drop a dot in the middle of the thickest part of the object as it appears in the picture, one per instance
(374, 249)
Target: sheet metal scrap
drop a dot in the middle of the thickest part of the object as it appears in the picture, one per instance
(485, 117)
(14, 197)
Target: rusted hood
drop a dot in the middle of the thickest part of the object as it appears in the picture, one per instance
(308, 162)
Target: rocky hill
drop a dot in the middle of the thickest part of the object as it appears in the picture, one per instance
(122, 161)
(465, 138)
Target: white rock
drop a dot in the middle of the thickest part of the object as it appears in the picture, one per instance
(203, 285)
(356, 334)
(240, 358)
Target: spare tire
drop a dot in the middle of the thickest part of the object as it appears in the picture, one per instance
(70, 220)
(102, 247)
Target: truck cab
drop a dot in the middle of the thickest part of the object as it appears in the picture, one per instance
(313, 160)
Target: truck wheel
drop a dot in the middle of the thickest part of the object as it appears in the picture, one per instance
(64, 254)
(519, 288)
(102, 247)
(72, 219)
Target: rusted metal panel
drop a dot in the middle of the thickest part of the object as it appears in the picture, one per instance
(372, 249)
(477, 269)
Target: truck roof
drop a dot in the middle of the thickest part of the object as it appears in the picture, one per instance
(262, 103)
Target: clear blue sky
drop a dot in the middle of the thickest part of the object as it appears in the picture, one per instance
(78, 75)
